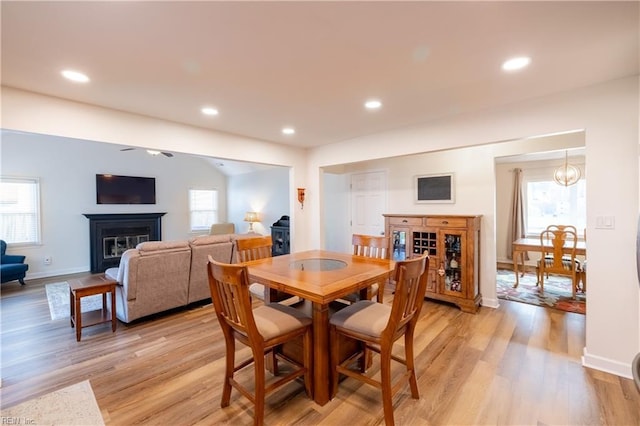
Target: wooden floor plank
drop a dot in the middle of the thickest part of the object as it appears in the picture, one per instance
(517, 364)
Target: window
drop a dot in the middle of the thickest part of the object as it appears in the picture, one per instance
(203, 208)
(548, 203)
(20, 210)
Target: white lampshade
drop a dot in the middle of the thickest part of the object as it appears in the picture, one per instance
(251, 217)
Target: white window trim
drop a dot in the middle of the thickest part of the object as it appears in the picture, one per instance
(196, 230)
(542, 174)
(38, 212)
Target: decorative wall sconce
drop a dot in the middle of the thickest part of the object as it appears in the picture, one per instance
(251, 217)
(301, 197)
(567, 174)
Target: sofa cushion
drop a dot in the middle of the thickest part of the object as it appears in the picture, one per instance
(209, 239)
(153, 247)
(220, 248)
(112, 274)
(154, 277)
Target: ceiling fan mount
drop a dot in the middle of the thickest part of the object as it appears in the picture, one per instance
(151, 151)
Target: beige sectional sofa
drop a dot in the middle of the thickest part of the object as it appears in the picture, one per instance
(161, 275)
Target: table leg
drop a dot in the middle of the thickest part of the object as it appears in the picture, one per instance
(516, 253)
(321, 376)
(72, 306)
(78, 313)
(113, 310)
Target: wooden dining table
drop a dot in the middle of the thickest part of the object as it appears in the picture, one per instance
(522, 245)
(320, 277)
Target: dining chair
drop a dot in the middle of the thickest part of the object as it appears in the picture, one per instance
(565, 257)
(554, 241)
(255, 248)
(264, 329)
(376, 326)
(375, 247)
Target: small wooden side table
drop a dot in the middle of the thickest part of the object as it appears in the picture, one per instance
(89, 286)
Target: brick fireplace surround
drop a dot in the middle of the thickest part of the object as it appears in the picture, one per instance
(111, 234)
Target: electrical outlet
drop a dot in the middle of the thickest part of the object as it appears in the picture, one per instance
(48, 260)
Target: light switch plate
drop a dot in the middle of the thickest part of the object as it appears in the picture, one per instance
(605, 222)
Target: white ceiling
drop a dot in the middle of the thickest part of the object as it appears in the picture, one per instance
(312, 65)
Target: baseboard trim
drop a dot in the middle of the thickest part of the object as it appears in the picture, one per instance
(607, 365)
(509, 266)
(490, 303)
(57, 272)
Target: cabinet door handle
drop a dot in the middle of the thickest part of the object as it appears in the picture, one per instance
(445, 222)
(441, 269)
(404, 221)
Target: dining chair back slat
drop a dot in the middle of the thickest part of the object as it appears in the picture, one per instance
(411, 284)
(375, 247)
(231, 299)
(255, 248)
(558, 247)
(372, 246)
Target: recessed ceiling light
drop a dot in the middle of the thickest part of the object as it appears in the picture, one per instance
(76, 76)
(372, 104)
(209, 111)
(515, 64)
(288, 130)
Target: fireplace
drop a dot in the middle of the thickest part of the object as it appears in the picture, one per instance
(110, 235)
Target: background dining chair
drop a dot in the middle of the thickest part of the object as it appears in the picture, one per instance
(375, 247)
(377, 326)
(255, 248)
(264, 329)
(554, 242)
(565, 257)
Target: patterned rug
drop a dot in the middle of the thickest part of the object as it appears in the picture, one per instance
(58, 298)
(557, 291)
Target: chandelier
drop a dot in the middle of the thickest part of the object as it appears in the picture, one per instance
(567, 174)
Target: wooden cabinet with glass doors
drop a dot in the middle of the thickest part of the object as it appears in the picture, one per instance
(453, 244)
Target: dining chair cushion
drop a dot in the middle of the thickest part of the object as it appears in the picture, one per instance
(276, 319)
(566, 262)
(257, 291)
(366, 317)
(354, 297)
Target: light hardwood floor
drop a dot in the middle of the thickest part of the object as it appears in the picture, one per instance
(515, 365)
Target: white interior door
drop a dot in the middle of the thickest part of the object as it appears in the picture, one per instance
(368, 202)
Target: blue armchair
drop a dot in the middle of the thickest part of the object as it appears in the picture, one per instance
(12, 267)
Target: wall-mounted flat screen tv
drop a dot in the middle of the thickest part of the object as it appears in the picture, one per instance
(112, 189)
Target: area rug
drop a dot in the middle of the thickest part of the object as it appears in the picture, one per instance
(557, 291)
(73, 405)
(58, 298)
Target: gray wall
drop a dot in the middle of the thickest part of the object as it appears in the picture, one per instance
(67, 168)
(265, 192)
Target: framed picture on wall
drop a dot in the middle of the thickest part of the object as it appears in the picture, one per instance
(436, 188)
